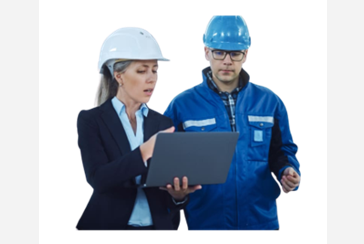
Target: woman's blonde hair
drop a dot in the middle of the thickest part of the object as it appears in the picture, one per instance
(108, 86)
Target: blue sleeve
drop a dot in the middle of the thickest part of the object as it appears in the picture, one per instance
(172, 113)
(282, 153)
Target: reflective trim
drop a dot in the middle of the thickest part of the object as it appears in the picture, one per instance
(258, 135)
(268, 119)
(199, 123)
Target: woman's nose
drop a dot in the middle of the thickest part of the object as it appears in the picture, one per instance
(152, 77)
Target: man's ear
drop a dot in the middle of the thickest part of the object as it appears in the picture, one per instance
(245, 56)
(207, 56)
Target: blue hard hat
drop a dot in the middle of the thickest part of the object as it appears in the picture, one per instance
(227, 33)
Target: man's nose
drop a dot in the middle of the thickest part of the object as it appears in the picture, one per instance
(227, 60)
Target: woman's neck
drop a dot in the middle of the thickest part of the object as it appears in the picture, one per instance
(130, 106)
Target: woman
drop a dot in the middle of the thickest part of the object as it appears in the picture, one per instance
(117, 138)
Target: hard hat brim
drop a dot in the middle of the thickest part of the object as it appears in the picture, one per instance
(227, 46)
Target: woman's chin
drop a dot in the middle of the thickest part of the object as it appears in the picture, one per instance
(145, 100)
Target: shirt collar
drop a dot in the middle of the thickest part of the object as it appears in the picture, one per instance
(120, 107)
(144, 109)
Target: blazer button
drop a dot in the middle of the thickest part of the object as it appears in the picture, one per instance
(261, 124)
(202, 128)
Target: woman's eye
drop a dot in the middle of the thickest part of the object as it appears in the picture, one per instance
(140, 71)
(154, 71)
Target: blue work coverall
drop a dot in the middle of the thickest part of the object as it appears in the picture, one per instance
(247, 200)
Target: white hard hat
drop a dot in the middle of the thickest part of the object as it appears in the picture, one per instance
(129, 44)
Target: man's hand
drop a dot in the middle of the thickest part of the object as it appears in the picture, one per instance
(177, 192)
(290, 179)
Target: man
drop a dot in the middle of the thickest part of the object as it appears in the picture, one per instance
(227, 101)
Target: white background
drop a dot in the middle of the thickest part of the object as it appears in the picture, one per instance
(288, 55)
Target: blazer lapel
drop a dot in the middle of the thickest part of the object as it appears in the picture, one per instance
(113, 123)
(150, 127)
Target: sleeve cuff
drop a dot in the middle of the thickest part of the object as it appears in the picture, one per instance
(281, 171)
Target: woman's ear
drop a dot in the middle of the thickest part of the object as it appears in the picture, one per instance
(118, 78)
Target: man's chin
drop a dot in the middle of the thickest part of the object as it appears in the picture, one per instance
(225, 80)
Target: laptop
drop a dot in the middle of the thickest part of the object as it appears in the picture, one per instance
(204, 157)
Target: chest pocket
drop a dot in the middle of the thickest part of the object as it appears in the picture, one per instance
(260, 136)
(203, 125)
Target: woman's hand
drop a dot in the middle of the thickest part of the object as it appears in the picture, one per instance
(179, 193)
(147, 147)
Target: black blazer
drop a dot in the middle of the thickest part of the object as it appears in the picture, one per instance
(111, 167)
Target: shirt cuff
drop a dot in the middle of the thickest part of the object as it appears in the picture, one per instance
(180, 202)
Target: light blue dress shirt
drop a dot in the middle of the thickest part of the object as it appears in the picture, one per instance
(141, 215)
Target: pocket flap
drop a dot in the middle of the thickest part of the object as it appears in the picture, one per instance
(261, 122)
(200, 125)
